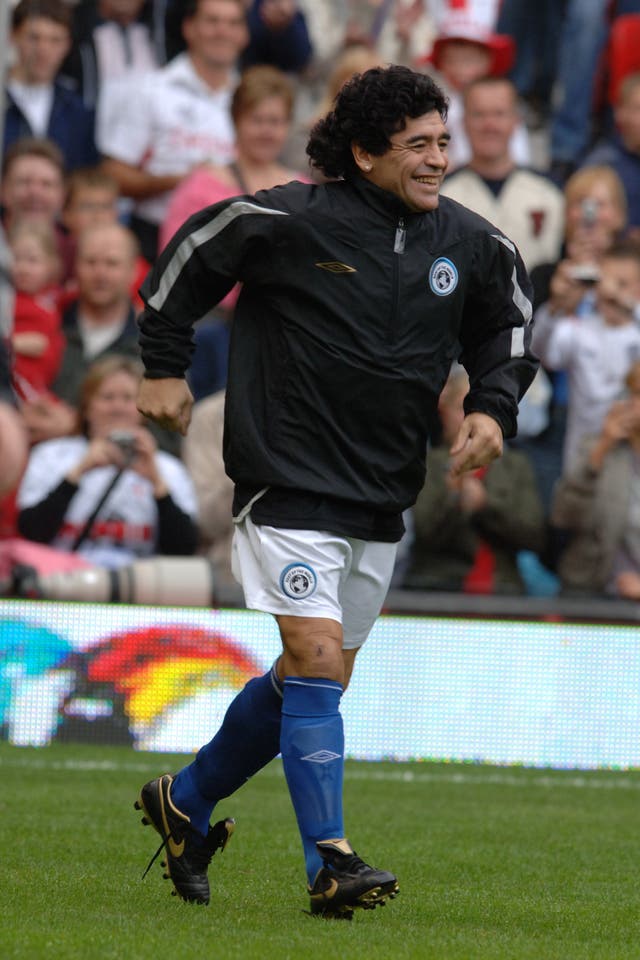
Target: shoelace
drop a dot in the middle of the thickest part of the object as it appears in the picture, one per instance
(155, 857)
(200, 856)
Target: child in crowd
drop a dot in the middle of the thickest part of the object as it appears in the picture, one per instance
(92, 198)
(597, 349)
(467, 49)
(598, 505)
(37, 338)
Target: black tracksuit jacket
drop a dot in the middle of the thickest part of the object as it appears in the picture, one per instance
(351, 312)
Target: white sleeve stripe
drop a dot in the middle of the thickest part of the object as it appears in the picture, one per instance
(191, 243)
(517, 342)
(505, 241)
(521, 301)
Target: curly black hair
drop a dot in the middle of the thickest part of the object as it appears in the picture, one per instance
(369, 108)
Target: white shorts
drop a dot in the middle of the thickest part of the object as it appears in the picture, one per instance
(306, 573)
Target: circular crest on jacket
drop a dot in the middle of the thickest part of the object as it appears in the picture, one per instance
(443, 277)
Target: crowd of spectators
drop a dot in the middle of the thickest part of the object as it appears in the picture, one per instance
(123, 117)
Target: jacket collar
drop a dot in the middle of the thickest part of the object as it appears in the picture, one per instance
(382, 200)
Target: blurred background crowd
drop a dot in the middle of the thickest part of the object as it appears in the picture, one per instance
(123, 117)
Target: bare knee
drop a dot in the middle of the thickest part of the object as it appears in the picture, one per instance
(312, 647)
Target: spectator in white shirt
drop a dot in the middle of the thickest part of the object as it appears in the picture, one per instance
(107, 492)
(597, 350)
(525, 205)
(175, 118)
(112, 39)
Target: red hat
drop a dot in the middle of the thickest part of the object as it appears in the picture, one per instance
(464, 29)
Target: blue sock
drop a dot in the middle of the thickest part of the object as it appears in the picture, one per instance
(247, 740)
(312, 747)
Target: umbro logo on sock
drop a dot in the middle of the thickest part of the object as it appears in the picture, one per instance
(322, 756)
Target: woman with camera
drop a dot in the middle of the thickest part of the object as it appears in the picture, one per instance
(595, 218)
(108, 493)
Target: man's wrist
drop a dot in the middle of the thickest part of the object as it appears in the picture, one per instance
(156, 374)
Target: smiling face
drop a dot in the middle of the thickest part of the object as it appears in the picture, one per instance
(262, 130)
(90, 205)
(606, 212)
(490, 119)
(216, 33)
(41, 45)
(414, 165)
(34, 266)
(462, 61)
(105, 266)
(33, 189)
(113, 405)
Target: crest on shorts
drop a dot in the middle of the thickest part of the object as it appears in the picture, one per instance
(443, 277)
(298, 581)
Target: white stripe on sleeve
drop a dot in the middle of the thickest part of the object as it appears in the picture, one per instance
(517, 342)
(521, 301)
(191, 243)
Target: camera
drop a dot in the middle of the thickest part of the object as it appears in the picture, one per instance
(586, 273)
(125, 440)
(156, 581)
(589, 212)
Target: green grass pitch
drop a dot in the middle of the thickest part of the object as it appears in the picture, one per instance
(493, 863)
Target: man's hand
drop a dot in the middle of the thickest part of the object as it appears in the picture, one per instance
(167, 401)
(479, 441)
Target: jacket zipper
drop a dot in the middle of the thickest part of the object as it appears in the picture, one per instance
(398, 249)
